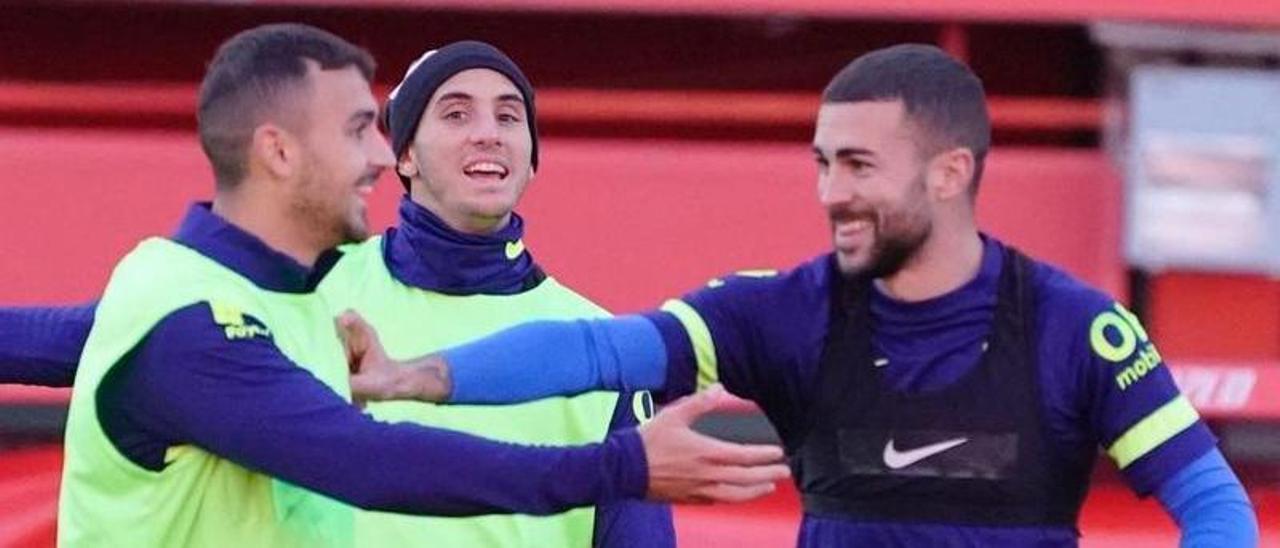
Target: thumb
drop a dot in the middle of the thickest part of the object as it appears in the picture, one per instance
(353, 331)
(687, 410)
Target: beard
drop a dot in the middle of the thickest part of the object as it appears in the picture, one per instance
(331, 220)
(892, 251)
(898, 236)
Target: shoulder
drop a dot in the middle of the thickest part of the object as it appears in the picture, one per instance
(802, 284)
(1065, 299)
(354, 260)
(1080, 322)
(208, 325)
(355, 269)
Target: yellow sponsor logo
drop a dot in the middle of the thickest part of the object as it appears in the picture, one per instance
(247, 331)
(1115, 335)
(1148, 360)
(225, 314)
(515, 249)
(234, 325)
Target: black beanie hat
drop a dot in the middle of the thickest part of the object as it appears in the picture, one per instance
(407, 101)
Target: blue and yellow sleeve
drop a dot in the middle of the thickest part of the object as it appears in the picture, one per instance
(757, 332)
(1147, 427)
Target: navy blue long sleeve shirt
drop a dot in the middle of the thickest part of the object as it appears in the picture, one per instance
(762, 333)
(243, 399)
(42, 345)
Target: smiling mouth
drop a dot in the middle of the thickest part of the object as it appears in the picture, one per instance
(486, 170)
(364, 186)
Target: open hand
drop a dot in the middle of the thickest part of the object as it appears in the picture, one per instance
(685, 466)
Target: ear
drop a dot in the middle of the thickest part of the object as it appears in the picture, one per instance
(276, 150)
(951, 173)
(407, 165)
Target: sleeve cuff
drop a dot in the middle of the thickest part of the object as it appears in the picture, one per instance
(1147, 473)
(626, 465)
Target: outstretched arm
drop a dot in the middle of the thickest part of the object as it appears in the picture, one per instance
(272, 415)
(41, 345)
(527, 362)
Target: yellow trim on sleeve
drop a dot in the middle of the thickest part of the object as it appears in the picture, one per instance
(1153, 430)
(704, 348)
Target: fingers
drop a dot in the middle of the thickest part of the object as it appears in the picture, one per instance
(747, 475)
(734, 493)
(687, 410)
(724, 452)
(357, 336)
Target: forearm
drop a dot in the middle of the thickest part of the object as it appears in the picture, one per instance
(410, 469)
(1210, 505)
(41, 346)
(310, 438)
(549, 358)
(246, 401)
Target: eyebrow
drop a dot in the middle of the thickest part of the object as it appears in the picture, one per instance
(454, 96)
(362, 117)
(463, 96)
(510, 97)
(846, 152)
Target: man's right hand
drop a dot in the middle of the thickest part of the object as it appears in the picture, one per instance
(377, 377)
(688, 467)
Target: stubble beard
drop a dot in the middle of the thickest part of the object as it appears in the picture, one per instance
(897, 239)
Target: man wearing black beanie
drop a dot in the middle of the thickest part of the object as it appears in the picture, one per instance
(462, 125)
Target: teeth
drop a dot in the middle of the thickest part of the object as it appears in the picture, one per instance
(485, 167)
(856, 225)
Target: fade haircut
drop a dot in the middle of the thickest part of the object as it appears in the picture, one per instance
(246, 84)
(943, 99)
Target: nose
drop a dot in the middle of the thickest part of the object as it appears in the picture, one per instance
(834, 190)
(485, 131)
(381, 155)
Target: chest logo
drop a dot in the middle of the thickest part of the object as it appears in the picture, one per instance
(514, 249)
(895, 459)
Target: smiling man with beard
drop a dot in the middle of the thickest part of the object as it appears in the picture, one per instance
(932, 385)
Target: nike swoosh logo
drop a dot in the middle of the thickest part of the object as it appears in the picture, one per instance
(514, 249)
(895, 459)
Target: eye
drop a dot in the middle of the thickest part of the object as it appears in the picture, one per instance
(457, 115)
(823, 163)
(508, 118)
(858, 165)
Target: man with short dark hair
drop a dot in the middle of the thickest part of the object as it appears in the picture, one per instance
(463, 123)
(932, 385)
(211, 407)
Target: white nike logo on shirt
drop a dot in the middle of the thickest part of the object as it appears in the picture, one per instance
(895, 459)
